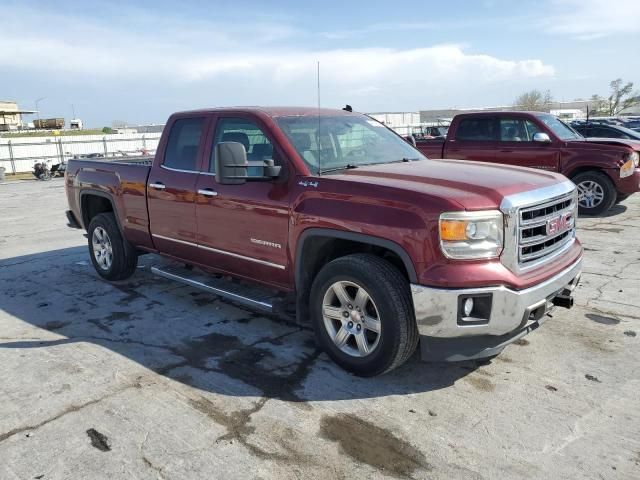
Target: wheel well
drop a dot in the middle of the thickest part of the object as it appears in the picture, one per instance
(93, 205)
(317, 251)
(584, 170)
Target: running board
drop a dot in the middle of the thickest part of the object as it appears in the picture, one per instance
(252, 297)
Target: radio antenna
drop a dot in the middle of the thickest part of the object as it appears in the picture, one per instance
(318, 134)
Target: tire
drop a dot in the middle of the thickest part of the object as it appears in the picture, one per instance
(596, 193)
(385, 297)
(113, 257)
(621, 197)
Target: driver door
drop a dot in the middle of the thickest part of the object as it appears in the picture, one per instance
(243, 229)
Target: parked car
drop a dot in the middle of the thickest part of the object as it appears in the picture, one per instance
(597, 130)
(605, 171)
(333, 215)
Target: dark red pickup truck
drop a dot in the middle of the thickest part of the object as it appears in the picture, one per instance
(330, 212)
(605, 171)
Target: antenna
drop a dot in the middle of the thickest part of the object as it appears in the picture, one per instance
(318, 134)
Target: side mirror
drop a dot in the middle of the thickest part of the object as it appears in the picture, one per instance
(411, 139)
(231, 163)
(541, 137)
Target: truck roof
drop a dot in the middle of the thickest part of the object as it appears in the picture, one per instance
(273, 111)
(501, 112)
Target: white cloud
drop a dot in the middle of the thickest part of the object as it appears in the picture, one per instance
(267, 62)
(592, 19)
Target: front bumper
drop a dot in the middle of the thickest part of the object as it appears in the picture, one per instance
(512, 314)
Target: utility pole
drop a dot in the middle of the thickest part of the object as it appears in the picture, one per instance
(73, 109)
(37, 109)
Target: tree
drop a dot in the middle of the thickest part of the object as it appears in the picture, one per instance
(622, 97)
(535, 100)
(107, 130)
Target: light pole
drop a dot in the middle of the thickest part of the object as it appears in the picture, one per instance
(38, 110)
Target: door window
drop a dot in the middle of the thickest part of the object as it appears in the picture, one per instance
(513, 130)
(477, 129)
(182, 147)
(247, 133)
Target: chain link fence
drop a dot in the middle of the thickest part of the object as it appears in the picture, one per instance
(18, 155)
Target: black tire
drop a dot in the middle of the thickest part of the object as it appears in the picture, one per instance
(124, 256)
(389, 291)
(621, 197)
(602, 182)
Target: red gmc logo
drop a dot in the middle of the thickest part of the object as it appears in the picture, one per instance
(560, 223)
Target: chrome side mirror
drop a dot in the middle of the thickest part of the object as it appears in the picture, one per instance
(541, 137)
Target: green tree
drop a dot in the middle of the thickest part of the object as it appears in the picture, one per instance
(622, 96)
(534, 100)
(107, 130)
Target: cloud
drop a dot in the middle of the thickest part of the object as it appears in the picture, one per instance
(592, 19)
(182, 63)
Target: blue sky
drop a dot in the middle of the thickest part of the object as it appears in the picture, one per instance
(140, 61)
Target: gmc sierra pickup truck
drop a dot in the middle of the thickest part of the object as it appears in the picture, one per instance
(332, 215)
(605, 171)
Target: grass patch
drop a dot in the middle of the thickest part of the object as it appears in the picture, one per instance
(65, 133)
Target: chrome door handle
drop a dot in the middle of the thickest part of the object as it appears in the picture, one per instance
(158, 186)
(207, 192)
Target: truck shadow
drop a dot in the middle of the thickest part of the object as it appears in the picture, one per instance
(187, 335)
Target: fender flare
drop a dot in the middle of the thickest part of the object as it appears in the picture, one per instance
(358, 237)
(98, 193)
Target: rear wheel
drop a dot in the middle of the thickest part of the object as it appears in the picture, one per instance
(112, 256)
(596, 193)
(362, 314)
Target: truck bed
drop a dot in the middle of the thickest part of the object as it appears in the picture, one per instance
(123, 180)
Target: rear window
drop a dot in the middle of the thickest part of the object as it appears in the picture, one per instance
(183, 143)
(478, 129)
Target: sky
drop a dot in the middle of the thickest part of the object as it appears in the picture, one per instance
(139, 61)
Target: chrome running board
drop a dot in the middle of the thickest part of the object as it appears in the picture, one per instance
(254, 298)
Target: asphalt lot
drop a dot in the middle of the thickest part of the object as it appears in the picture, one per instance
(150, 379)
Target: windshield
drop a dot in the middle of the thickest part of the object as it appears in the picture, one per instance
(557, 126)
(345, 142)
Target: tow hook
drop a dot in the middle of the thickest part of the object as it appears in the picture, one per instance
(564, 301)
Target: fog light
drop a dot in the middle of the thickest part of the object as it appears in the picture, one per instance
(468, 306)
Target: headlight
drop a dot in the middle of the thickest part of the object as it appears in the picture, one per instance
(630, 164)
(471, 235)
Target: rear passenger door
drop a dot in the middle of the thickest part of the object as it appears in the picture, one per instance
(171, 189)
(476, 138)
(243, 229)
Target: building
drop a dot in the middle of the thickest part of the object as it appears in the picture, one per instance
(11, 115)
(570, 110)
(9, 120)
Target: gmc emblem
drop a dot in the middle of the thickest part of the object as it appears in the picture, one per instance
(560, 223)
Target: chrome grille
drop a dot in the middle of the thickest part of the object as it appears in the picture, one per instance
(536, 239)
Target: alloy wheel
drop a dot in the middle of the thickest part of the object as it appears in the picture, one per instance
(102, 248)
(351, 319)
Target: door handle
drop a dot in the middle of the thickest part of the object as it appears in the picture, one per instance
(207, 192)
(158, 185)
(506, 151)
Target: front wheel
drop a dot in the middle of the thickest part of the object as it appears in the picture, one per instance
(113, 257)
(596, 193)
(362, 314)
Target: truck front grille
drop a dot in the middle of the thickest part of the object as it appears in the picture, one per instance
(545, 228)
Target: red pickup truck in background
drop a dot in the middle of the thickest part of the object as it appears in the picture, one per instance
(333, 214)
(605, 171)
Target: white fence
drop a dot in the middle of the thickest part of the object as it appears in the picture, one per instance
(19, 154)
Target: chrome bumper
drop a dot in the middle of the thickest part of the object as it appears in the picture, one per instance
(437, 314)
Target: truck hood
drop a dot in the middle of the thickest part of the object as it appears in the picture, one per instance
(606, 144)
(473, 185)
(635, 144)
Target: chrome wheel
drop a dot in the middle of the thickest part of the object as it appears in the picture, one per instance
(102, 249)
(590, 194)
(351, 319)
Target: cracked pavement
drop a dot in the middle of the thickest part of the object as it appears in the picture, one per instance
(149, 379)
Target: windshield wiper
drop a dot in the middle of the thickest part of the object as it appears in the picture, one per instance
(348, 166)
